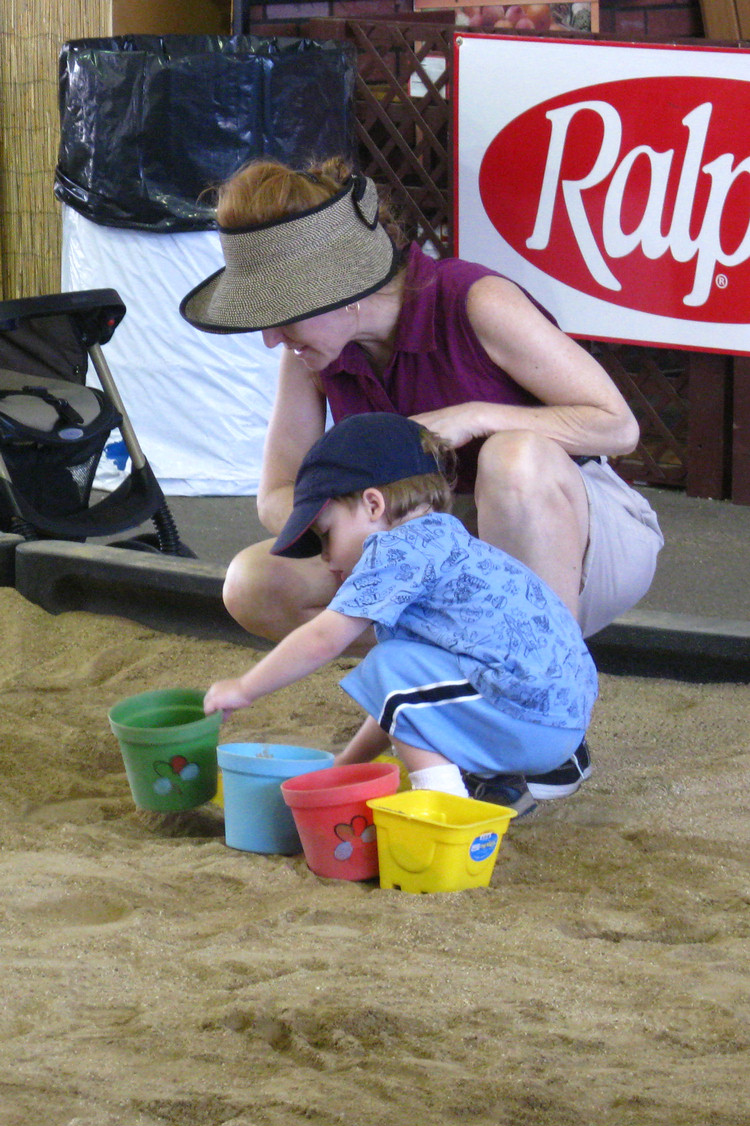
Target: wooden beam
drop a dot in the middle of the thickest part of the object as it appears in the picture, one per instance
(743, 17)
(741, 431)
(708, 441)
(720, 20)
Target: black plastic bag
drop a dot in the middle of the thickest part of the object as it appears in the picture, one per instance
(148, 123)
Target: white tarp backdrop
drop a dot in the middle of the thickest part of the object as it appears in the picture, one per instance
(199, 403)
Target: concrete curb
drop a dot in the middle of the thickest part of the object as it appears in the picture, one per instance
(8, 546)
(685, 646)
(183, 596)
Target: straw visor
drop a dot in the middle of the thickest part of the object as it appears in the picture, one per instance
(297, 266)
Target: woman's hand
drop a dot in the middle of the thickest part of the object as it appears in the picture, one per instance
(457, 424)
(225, 696)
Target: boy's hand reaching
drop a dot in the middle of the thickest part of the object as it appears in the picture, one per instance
(225, 696)
(301, 652)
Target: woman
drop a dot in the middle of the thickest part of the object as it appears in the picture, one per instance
(367, 324)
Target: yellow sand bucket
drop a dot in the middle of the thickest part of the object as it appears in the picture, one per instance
(429, 841)
(403, 773)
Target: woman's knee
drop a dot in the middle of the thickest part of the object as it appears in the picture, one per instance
(270, 596)
(249, 582)
(529, 491)
(520, 463)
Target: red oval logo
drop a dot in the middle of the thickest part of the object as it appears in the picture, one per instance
(636, 192)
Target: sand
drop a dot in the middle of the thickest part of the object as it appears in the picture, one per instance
(153, 977)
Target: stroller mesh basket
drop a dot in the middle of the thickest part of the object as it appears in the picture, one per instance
(53, 428)
(51, 449)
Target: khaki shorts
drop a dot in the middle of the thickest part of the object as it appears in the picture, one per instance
(624, 542)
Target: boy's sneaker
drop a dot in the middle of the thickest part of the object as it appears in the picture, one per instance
(501, 789)
(564, 780)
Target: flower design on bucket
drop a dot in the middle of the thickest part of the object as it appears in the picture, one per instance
(352, 833)
(170, 773)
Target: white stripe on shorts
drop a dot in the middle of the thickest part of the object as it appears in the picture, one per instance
(424, 696)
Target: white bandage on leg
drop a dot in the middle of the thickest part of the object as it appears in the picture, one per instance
(447, 779)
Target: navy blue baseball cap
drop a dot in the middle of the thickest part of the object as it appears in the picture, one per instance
(363, 451)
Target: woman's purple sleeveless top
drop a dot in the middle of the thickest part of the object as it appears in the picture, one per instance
(437, 359)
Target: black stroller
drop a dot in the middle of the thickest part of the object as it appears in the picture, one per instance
(53, 428)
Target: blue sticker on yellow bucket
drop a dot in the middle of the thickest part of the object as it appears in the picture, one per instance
(483, 846)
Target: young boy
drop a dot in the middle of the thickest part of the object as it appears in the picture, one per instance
(479, 668)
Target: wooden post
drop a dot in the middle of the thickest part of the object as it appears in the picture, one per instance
(743, 17)
(709, 442)
(720, 20)
(741, 431)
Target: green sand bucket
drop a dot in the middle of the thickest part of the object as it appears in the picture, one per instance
(169, 748)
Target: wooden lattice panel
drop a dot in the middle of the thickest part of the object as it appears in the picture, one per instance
(402, 122)
(655, 383)
(402, 117)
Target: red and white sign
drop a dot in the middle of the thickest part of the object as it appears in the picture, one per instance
(612, 181)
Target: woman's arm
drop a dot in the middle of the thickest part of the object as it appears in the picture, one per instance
(300, 653)
(581, 407)
(297, 420)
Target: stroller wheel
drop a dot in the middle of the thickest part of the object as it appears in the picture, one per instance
(22, 528)
(149, 542)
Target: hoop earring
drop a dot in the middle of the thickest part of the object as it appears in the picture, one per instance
(353, 308)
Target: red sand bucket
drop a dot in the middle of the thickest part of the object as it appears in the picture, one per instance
(334, 823)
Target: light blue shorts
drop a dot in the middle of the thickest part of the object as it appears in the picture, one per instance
(418, 695)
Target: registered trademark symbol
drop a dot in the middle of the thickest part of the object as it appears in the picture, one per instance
(722, 281)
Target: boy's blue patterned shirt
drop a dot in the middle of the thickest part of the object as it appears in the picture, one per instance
(429, 580)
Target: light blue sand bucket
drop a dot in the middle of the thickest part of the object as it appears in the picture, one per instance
(256, 817)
